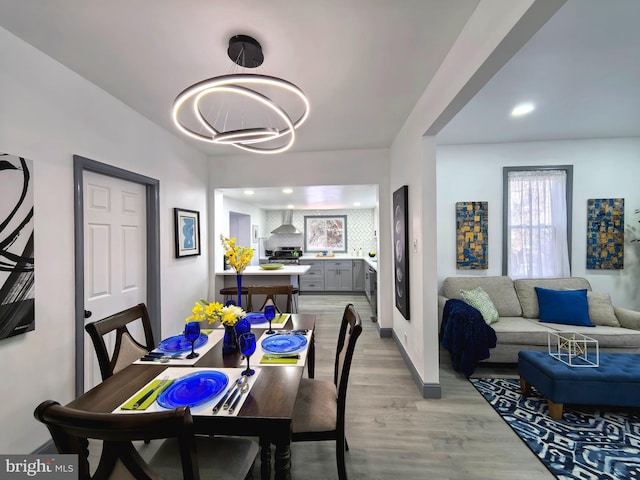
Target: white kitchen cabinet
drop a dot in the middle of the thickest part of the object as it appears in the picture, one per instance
(313, 280)
(338, 276)
(359, 267)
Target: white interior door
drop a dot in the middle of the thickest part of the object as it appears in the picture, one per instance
(114, 255)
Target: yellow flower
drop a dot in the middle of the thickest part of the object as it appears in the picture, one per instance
(238, 257)
(215, 311)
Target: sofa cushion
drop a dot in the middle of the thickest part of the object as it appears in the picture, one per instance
(600, 309)
(607, 337)
(500, 291)
(521, 331)
(479, 299)
(527, 295)
(563, 306)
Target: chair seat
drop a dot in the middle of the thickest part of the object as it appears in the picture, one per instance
(316, 406)
(225, 458)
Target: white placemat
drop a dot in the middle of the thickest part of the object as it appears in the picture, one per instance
(204, 409)
(257, 356)
(214, 337)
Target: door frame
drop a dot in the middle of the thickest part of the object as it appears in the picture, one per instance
(80, 165)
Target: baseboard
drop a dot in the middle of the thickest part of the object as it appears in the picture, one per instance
(384, 332)
(428, 390)
(45, 449)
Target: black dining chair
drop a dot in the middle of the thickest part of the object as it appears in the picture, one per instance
(270, 293)
(127, 349)
(319, 412)
(181, 455)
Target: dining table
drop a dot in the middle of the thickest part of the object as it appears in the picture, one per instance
(266, 412)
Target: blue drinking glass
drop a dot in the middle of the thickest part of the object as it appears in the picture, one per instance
(247, 342)
(192, 333)
(270, 314)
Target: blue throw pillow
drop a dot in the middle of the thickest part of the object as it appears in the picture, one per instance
(564, 306)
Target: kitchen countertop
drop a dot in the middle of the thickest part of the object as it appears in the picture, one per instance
(369, 261)
(285, 270)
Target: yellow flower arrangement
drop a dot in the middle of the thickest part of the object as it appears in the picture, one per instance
(215, 311)
(238, 257)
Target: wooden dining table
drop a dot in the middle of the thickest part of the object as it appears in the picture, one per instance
(266, 413)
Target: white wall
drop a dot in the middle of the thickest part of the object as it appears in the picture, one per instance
(348, 167)
(49, 114)
(605, 168)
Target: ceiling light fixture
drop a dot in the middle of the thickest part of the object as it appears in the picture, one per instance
(287, 190)
(250, 111)
(249, 192)
(522, 109)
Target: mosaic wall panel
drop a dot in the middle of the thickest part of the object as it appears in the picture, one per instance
(471, 235)
(605, 233)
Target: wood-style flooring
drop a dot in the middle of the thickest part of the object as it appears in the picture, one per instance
(392, 431)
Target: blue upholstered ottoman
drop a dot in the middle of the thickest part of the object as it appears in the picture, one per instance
(616, 381)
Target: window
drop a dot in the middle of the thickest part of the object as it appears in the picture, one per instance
(324, 233)
(537, 222)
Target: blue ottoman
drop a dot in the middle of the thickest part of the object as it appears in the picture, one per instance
(616, 381)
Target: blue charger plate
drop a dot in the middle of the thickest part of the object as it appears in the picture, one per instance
(193, 389)
(284, 343)
(256, 317)
(178, 343)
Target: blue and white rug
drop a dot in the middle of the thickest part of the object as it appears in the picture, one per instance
(588, 443)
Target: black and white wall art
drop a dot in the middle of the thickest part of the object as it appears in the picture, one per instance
(401, 249)
(17, 297)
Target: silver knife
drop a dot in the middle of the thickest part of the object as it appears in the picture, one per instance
(243, 390)
(218, 405)
(227, 403)
(141, 400)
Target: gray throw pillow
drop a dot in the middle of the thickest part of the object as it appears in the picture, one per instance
(600, 309)
(479, 299)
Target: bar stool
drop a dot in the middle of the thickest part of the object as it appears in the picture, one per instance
(295, 291)
(231, 293)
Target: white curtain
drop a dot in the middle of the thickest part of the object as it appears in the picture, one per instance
(537, 224)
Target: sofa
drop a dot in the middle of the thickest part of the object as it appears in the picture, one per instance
(518, 326)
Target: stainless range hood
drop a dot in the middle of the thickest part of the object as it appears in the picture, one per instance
(287, 226)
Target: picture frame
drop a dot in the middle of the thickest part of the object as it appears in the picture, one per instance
(187, 232)
(324, 233)
(401, 249)
(254, 233)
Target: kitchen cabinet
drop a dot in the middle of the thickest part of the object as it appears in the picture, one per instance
(313, 280)
(338, 276)
(359, 267)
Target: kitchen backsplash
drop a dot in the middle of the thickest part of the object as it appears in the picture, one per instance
(360, 229)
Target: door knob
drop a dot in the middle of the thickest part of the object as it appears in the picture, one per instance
(87, 314)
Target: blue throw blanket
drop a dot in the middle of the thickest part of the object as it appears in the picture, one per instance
(465, 335)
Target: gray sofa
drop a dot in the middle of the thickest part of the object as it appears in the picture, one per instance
(518, 327)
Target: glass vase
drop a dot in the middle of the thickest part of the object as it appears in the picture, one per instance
(230, 340)
(239, 281)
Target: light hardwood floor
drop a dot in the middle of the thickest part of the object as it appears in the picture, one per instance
(392, 431)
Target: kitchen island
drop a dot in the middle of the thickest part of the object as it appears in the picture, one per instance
(256, 276)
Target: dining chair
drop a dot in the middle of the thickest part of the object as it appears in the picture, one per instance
(181, 455)
(127, 349)
(319, 412)
(271, 293)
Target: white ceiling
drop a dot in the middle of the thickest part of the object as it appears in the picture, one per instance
(362, 63)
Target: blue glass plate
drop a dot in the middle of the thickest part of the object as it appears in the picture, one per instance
(193, 389)
(180, 344)
(284, 343)
(256, 317)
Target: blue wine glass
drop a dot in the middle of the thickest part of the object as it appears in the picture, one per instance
(270, 314)
(247, 342)
(192, 333)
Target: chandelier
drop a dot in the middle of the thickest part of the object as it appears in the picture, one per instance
(254, 112)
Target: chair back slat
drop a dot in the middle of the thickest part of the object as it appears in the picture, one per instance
(271, 293)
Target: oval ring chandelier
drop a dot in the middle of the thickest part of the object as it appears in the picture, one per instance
(192, 116)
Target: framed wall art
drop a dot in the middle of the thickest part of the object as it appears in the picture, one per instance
(401, 249)
(472, 241)
(254, 233)
(605, 233)
(17, 263)
(187, 232)
(325, 232)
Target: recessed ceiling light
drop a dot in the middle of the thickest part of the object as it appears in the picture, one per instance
(287, 190)
(249, 192)
(290, 206)
(356, 204)
(522, 109)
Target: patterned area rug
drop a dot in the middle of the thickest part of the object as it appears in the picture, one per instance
(588, 443)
